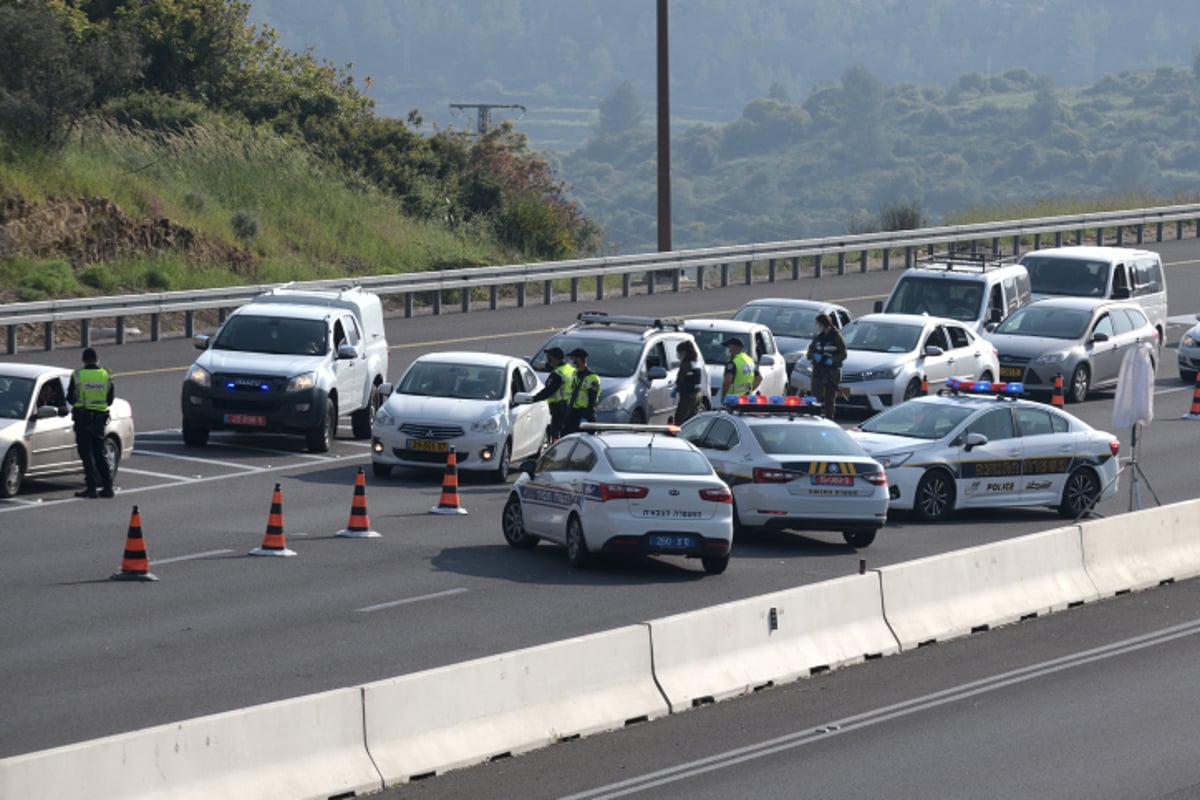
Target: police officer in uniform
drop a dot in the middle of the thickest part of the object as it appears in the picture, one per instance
(91, 392)
(741, 373)
(826, 352)
(557, 390)
(585, 391)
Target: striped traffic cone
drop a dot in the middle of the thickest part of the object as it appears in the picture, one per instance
(359, 526)
(274, 543)
(1195, 411)
(1056, 399)
(135, 566)
(924, 385)
(448, 503)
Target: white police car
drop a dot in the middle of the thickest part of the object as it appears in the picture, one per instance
(789, 467)
(622, 489)
(978, 445)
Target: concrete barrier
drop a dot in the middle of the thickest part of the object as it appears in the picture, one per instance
(463, 714)
(953, 594)
(305, 747)
(722, 651)
(1143, 549)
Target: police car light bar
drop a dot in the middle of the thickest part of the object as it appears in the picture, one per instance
(998, 388)
(773, 404)
(601, 427)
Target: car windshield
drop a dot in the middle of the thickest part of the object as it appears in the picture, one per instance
(800, 323)
(1051, 323)
(710, 344)
(608, 358)
(881, 337)
(14, 396)
(938, 297)
(791, 438)
(657, 460)
(462, 381)
(1066, 276)
(275, 335)
(918, 420)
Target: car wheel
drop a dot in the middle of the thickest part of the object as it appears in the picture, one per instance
(500, 474)
(934, 499)
(194, 435)
(912, 390)
(12, 472)
(1187, 377)
(362, 420)
(112, 454)
(577, 549)
(1080, 380)
(714, 565)
(986, 376)
(1080, 494)
(512, 522)
(381, 470)
(321, 437)
(859, 538)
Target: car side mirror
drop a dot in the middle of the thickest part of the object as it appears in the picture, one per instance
(767, 360)
(996, 316)
(990, 327)
(974, 440)
(385, 391)
(933, 350)
(528, 466)
(347, 352)
(200, 341)
(46, 412)
(522, 399)
(656, 373)
(878, 306)
(1100, 337)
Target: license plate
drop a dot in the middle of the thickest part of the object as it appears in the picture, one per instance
(1011, 372)
(833, 480)
(672, 542)
(255, 420)
(428, 446)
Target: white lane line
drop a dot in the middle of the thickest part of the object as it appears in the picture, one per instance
(165, 475)
(271, 452)
(406, 601)
(189, 558)
(174, 457)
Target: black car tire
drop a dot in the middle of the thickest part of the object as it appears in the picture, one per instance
(577, 549)
(859, 539)
(112, 454)
(12, 472)
(320, 438)
(500, 474)
(362, 420)
(194, 435)
(512, 523)
(912, 390)
(1077, 390)
(1079, 494)
(934, 497)
(715, 565)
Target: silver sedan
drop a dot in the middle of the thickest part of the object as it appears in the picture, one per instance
(37, 440)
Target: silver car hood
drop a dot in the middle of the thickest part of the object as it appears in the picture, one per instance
(1030, 346)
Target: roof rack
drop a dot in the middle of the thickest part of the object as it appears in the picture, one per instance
(952, 261)
(773, 404)
(602, 318)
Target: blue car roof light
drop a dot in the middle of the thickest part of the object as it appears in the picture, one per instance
(993, 388)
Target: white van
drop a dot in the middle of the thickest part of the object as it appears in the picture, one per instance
(977, 291)
(1116, 273)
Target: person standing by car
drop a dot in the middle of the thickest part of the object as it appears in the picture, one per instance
(826, 353)
(91, 392)
(688, 381)
(557, 390)
(741, 373)
(585, 391)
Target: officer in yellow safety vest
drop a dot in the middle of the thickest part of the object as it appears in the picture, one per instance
(557, 391)
(91, 392)
(741, 373)
(585, 391)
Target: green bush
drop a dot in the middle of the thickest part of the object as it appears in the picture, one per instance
(245, 226)
(51, 278)
(99, 277)
(158, 278)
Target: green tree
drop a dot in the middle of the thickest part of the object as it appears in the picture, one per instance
(620, 112)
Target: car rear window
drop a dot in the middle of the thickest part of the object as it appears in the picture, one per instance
(785, 438)
(657, 460)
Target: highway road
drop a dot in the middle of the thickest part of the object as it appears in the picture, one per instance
(82, 656)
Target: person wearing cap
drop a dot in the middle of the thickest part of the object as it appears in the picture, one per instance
(91, 392)
(741, 373)
(557, 390)
(826, 352)
(585, 391)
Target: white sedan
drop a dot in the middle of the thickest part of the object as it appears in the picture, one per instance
(791, 468)
(981, 446)
(37, 439)
(477, 403)
(622, 491)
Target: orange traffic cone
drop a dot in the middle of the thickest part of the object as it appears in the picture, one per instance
(274, 543)
(1195, 412)
(924, 384)
(135, 566)
(1056, 399)
(359, 526)
(448, 503)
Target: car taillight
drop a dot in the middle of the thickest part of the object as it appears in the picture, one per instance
(1115, 446)
(770, 475)
(621, 491)
(718, 495)
(876, 478)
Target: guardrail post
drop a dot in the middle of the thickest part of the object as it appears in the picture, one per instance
(520, 295)
(770, 270)
(408, 305)
(1079, 237)
(1197, 229)
(466, 299)
(1099, 236)
(547, 292)
(887, 259)
(1178, 229)
(12, 339)
(1016, 240)
(221, 315)
(1037, 241)
(996, 245)
(675, 279)
(155, 327)
(85, 334)
(842, 263)
(120, 330)
(862, 261)
(437, 302)
(189, 324)
(649, 283)
(48, 336)
(493, 296)
(749, 273)
(1058, 238)
(795, 268)
(574, 290)
(599, 287)
(626, 277)
(817, 268)
(1159, 231)
(701, 274)
(908, 257)
(724, 275)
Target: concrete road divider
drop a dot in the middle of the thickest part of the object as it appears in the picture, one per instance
(305, 747)
(953, 594)
(722, 651)
(1122, 555)
(450, 717)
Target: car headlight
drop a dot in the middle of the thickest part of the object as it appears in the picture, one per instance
(1050, 358)
(614, 402)
(893, 460)
(492, 424)
(301, 382)
(1188, 341)
(881, 374)
(383, 417)
(200, 376)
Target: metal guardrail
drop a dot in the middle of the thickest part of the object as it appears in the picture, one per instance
(435, 284)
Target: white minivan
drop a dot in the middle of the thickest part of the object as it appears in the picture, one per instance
(977, 291)
(1116, 273)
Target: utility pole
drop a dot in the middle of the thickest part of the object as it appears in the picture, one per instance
(664, 133)
(483, 119)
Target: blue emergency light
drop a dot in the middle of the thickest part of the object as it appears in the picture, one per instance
(959, 386)
(776, 403)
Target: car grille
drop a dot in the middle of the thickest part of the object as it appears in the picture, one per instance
(1013, 361)
(236, 382)
(423, 456)
(435, 433)
(852, 377)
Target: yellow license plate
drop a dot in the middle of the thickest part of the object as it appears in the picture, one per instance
(1011, 372)
(428, 446)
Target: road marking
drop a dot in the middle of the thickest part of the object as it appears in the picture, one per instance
(406, 601)
(213, 461)
(158, 561)
(165, 475)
